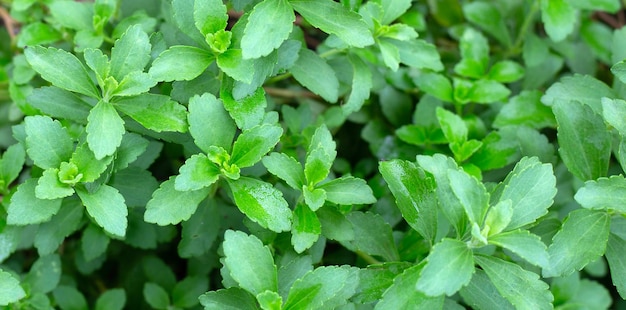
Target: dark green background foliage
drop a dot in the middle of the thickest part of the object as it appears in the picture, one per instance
(312, 154)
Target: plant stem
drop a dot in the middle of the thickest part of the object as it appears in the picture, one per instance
(368, 258)
(528, 22)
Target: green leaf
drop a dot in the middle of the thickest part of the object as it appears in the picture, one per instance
(87, 164)
(269, 24)
(332, 18)
(107, 207)
(392, 9)
(402, 294)
(588, 227)
(12, 163)
(449, 267)
(69, 298)
(47, 142)
(232, 298)
(134, 83)
(320, 156)
(169, 206)
(200, 231)
(198, 172)
(585, 144)
(361, 85)
(414, 193)
(286, 168)
(38, 33)
(155, 112)
(506, 71)
(247, 112)
(525, 109)
(498, 218)
(603, 194)
(254, 143)
(523, 243)
(250, 262)
(59, 103)
(373, 235)
(262, 203)
(113, 299)
(25, 208)
(558, 17)
(105, 129)
(616, 257)
(185, 293)
(610, 6)
(50, 187)
(94, 242)
(156, 296)
(51, 235)
(436, 85)
(481, 293)
(389, 53)
(454, 129)
(235, 66)
(314, 73)
(614, 113)
(168, 67)
(488, 91)
(475, 54)
(44, 275)
(209, 16)
(62, 69)
(73, 15)
(520, 287)
(323, 288)
(487, 17)
(314, 198)
(582, 88)
(531, 186)
(471, 193)
(10, 289)
(131, 52)
(348, 191)
(419, 54)
(209, 123)
(306, 228)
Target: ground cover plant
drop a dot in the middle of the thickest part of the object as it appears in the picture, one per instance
(312, 154)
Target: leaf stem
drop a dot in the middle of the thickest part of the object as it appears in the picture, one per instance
(528, 22)
(367, 258)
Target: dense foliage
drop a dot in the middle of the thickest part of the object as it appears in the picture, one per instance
(312, 154)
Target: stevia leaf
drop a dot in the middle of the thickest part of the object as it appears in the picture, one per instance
(107, 207)
(169, 206)
(156, 296)
(25, 208)
(306, 228)
(200, 231)
(47, 142)
(603, 194)
(522, 288)
(525, 109)
(471, 193)
(488, 91)
(69, 298)
(262, 203)
(185, 293)
(523, 243)
(414, 193)
(87, 164)
(286, 168)
(475, 54)
(581, 226)
(402, 294)
(269, 24)
(582, 88)
(361, 85)
(99, 63)
(481, 293)
(168, 67)
(250, 262)
(59, 103)
(10, 289)
(62, 69)
(37, 33)
(12, 163)
(247, 112)
(610, 6)
(314, 198)
(131, 52)
(585, 144)
(499, 217)
(232, 298)
(209, 16)
(419, 54)
(323, 288)
(134, 83)
(198, 172)
(436, 85)
(614, 113)
(235, 66)
(155, 112)
(389, 52)
(314, 73)
(105, 129)
(73, 15)
(112, 299)
(486, 16)
(616, 257)
(348, 191)
(531, 187)
(506, 71)
(209, 123)
(254, 143)
(449, 267)
(50, 187)
(332, 18)
(392, 9)
(558, 17)
(453, 127)
(373, 235)
(94, 242)
(45, 274)
(320, 156)
(51, 234)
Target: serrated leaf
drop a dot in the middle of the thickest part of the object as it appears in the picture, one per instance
(47, 142)
(348, 191)
(419, 54)
(389, 52)
(584, 88)
(98, 62)
(436, 85)
(155, 112)
(250, 262)
(134, 83)
(254, 143)
(558, 18)
(520, 287)
(314, 198)
(24, 207)
(10, 289)
(269, 24)
(209, 16)
(232, 298)
(525, 109)
(209, 123)
(247, 112)
(12, 163)
(475, 54)
(581, 226)
(498, 217)
(51, 234)
(198, 172)
(168, 67)
(481, 293)
(449, 267)
(105, 129)
(331, 17)
(45, 274)
(185, 293)
(610, 6)
(402, 294)
(531, 187)
(471, 193)
(392, 9)
(87, 164)
(200, 231)
(314, 73)
(506, 71)
(156, 296)
(94, 242)
(107, 207)
(235, 66)
(361, 85)
(169, 206)
(454, 129)
(59, 103)
(320, 156)
(62, 69)
(603, 194)
(414, 193)
(306, 228)
(113, 299)
(286, 168)
(486, 16)
(131, 52)
(616, 257)
(323, 288)
(585, 143)
(262, 203)
(523, 243)
(488, 91)
(50, 187)
(614, 113)
(373, 235)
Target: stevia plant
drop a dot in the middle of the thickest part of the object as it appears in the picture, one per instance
(301, 154)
